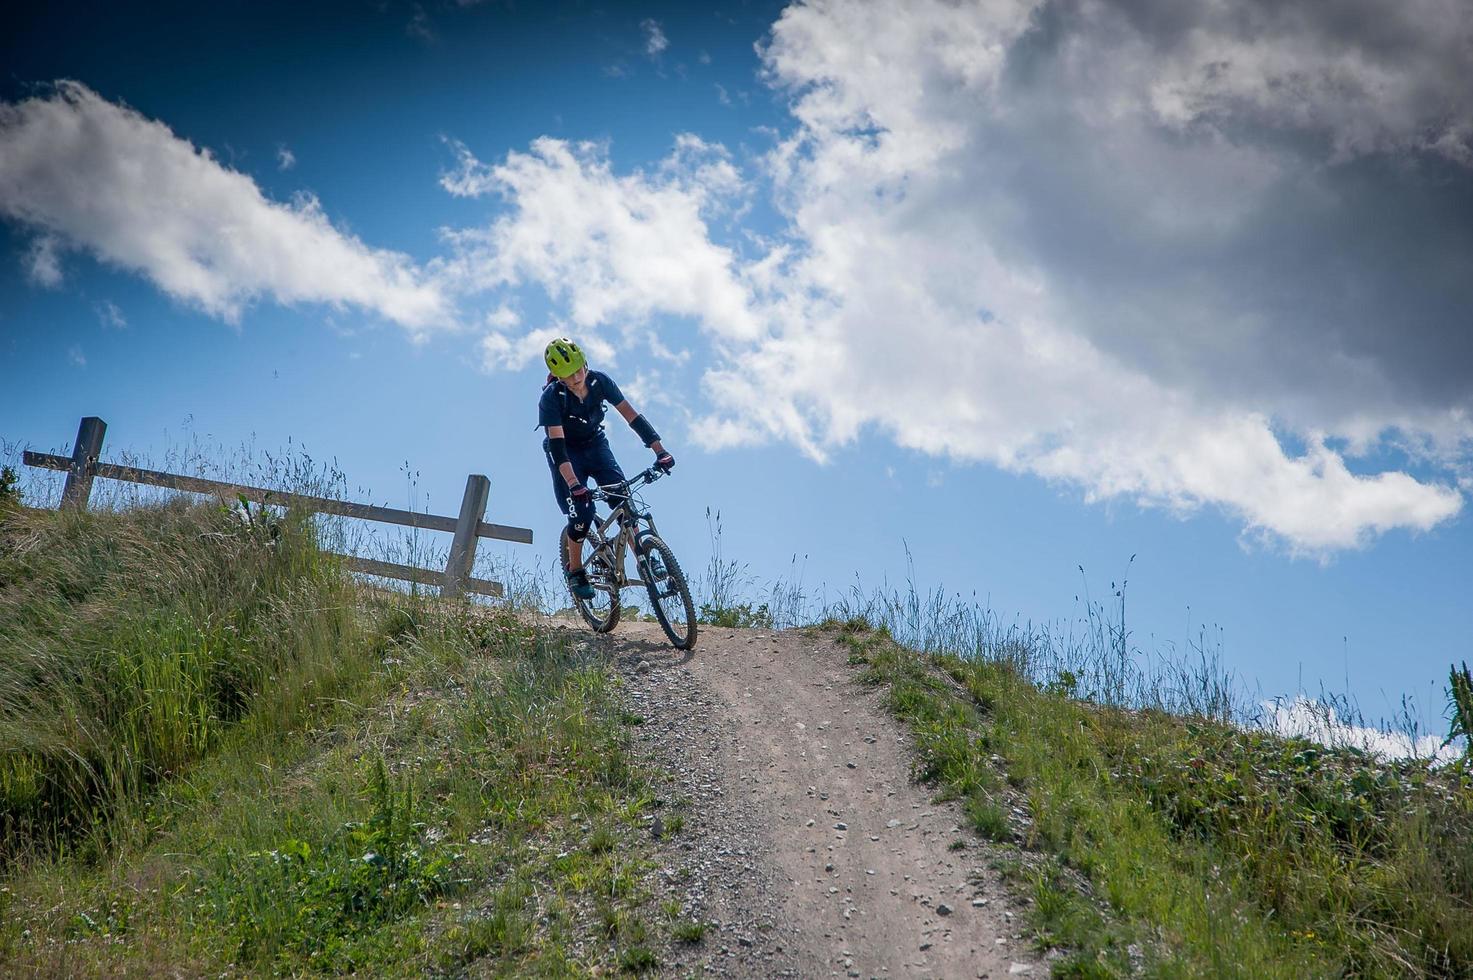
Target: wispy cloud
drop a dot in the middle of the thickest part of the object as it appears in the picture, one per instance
(75, 356)
(285, 158)
(655, 41)
(110, 316)
(100, 177)
(419, 26)
(43, 264)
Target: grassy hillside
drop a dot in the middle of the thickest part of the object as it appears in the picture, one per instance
(221, 754)
(218, 754)
(1175, 845)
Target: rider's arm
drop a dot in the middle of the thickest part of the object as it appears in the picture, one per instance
(648, 436)
(558, 446)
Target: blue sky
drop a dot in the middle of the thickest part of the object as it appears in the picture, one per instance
(1017, 287)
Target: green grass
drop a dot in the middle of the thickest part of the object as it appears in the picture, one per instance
(1188, 847)
(133, 643)
(243, 762)
(690, 931)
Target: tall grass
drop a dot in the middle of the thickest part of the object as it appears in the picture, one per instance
(131, 641)
(219, 753)
(1223, 852)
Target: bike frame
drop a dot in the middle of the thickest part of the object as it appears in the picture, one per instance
(614, 549)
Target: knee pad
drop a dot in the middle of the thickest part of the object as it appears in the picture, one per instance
(577, 530)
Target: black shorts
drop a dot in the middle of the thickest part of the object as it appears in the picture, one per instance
(593, 460)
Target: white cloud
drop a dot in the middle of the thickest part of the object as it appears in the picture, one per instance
(614, 249)
(285, 158)
(1061, 239)
(502, 352)
(101, 177)
(110, 316)
(503, 318)
(1309, 719)
(655, 41)
(43, 264)
(915, 279)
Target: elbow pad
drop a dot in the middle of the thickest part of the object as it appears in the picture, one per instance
(644, 430)
(558, 449)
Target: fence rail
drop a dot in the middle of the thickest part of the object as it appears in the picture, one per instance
(83, 466)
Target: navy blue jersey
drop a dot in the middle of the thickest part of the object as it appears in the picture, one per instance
(582, 421)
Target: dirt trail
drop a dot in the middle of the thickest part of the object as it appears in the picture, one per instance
(807, 845)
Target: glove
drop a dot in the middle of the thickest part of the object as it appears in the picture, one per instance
(578, 492)
(664, 462)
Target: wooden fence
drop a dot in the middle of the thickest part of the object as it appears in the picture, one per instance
(83, 466)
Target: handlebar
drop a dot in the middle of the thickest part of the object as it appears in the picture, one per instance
(621, 491)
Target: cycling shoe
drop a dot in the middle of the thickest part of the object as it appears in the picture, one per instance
(579, 585)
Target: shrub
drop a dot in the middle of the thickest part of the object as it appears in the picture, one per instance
(10, 496)
(741, 615)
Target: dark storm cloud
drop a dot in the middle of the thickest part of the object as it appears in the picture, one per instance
(1290, 235)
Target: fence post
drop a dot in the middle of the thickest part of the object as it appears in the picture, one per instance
(463, 547)
(84, 464)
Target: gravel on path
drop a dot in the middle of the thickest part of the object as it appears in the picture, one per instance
(805, 846)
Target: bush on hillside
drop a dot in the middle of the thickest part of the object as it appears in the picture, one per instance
(10, 496)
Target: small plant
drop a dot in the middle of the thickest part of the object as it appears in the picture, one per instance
(10, 497)
(988, 819)
(601, 841)
(741, 615)
(1460, 708)
(638, 959)
(690, 931)
(723, 581)
(305, 900)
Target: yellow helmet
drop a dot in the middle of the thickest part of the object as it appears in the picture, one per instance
(564, 357)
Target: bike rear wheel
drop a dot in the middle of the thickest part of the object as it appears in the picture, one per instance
(669, 594)
(602, 611)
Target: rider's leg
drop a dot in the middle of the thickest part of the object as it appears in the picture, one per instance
(560, 493)
(574, 551)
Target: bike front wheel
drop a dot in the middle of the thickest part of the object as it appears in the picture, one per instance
(602, 611)
(669, 594)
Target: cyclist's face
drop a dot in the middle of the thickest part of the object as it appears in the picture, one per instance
(577, 378)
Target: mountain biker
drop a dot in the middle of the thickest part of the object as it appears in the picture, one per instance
(571, 409)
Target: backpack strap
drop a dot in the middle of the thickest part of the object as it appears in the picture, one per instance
(562, 396)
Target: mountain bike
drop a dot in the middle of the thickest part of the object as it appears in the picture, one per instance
(630, 528)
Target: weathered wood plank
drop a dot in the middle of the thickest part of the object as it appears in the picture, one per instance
(46, 461)
(503, 532)
(463, 547)
(83, 465)
(409, 573)
(325, 505)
